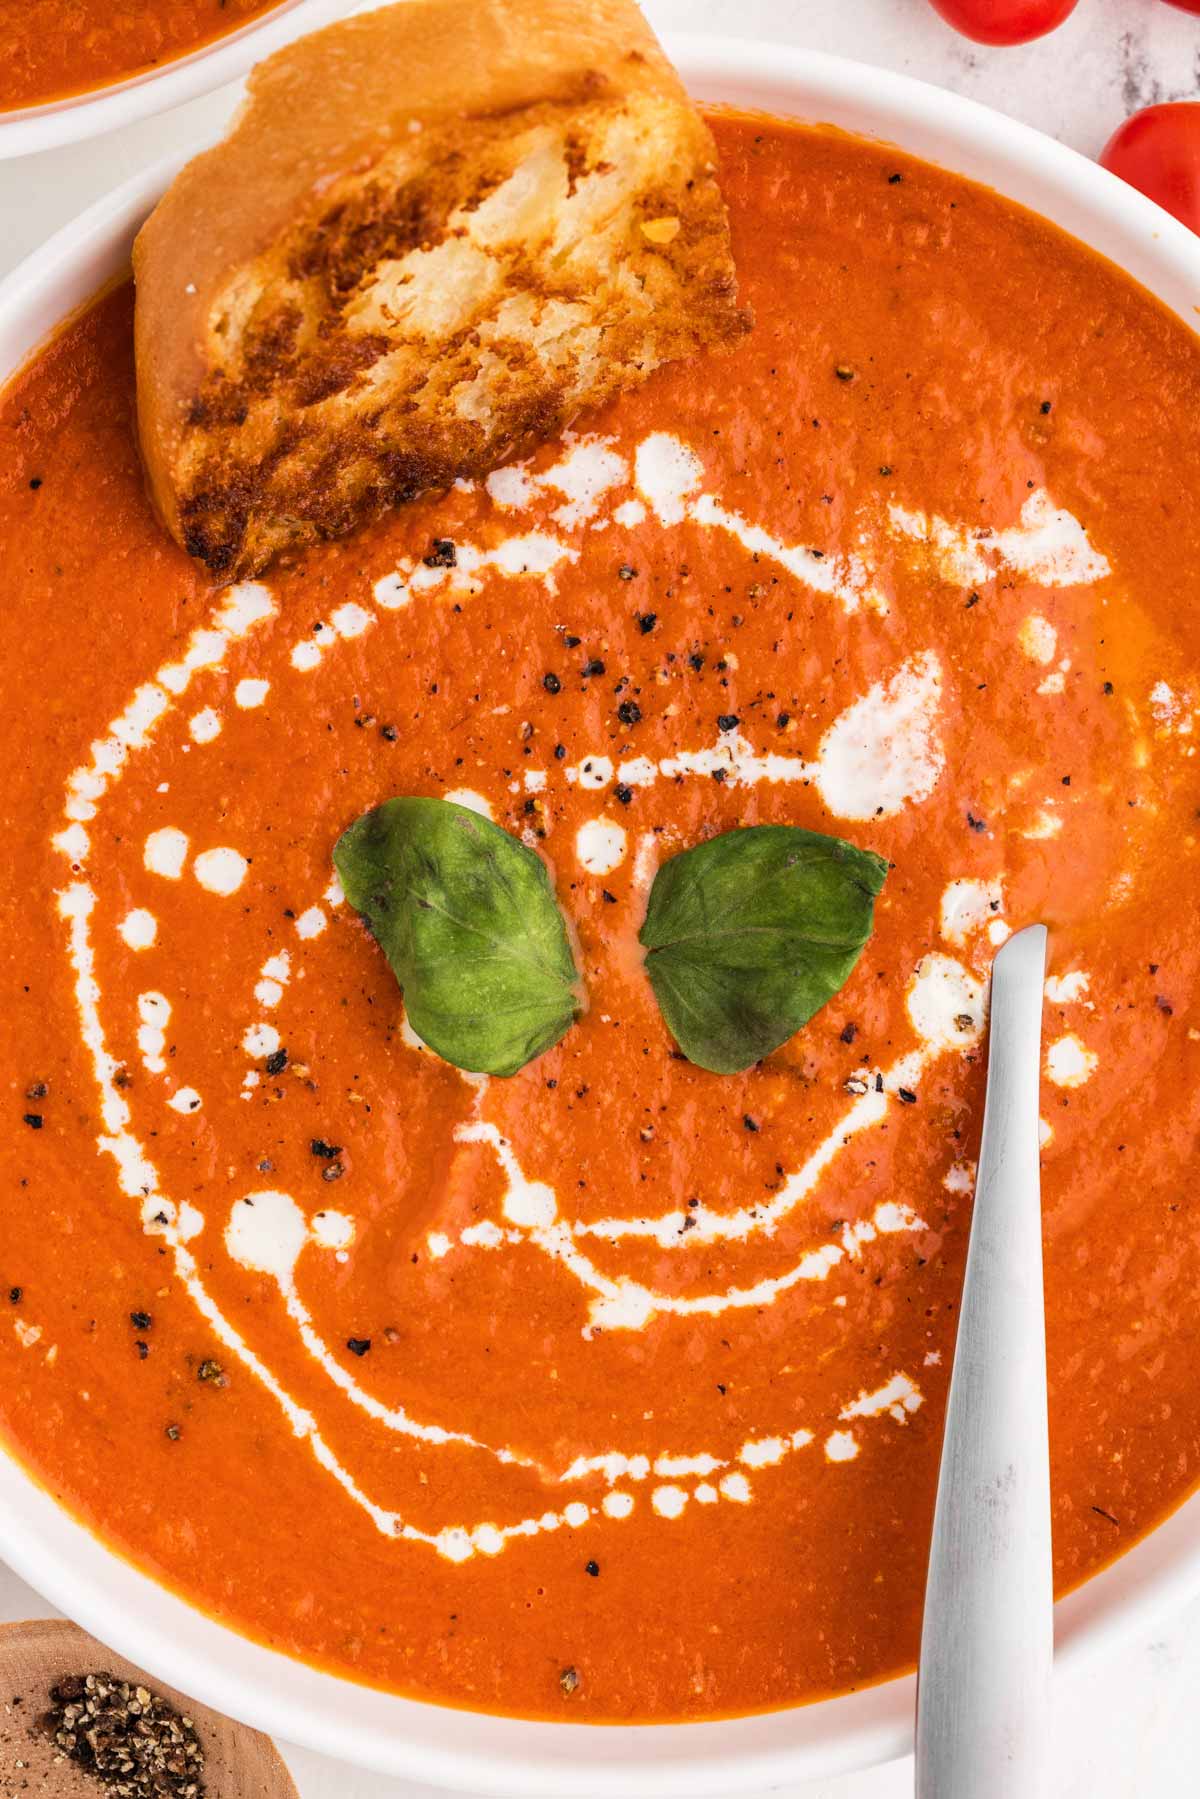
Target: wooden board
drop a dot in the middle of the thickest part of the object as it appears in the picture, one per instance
(239, 1763)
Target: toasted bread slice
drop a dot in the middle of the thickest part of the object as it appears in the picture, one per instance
(435, 233)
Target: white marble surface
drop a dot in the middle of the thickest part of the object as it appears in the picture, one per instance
(1132, 1728)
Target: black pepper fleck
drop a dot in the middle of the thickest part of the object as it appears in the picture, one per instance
(551, 682)
(629, 712)
(358, 1345)
(327, 1151)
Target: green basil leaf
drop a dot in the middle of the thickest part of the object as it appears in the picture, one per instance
(467, 918)
(749, 934)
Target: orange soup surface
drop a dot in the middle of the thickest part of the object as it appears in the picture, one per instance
(52, 49)
(614, 1390)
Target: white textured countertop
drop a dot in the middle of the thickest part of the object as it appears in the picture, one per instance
(1132, 1728)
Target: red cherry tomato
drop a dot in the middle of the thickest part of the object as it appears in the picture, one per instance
(1006, 21)
(1185, 5)
(1158, 151)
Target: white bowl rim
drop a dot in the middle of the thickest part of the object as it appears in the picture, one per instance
(479, 1752)
(27, 129)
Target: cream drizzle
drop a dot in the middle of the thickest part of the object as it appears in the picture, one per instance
(946, 1005)
(1049, 547)
(881, 754)
(530, 1203)
(668, 479)
(669, 475)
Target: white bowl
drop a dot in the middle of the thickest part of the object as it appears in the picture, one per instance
(29, 128)
(503, 1756)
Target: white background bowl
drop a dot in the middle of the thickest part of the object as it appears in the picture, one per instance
(503, 1756)
(180, 78)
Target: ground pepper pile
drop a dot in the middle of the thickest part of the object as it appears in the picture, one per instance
(131, 1741)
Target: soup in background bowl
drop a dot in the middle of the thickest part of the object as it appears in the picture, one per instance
(612, 1391)
(74, 71)
(52, 52)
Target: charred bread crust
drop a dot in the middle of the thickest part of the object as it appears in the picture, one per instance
(436, 233)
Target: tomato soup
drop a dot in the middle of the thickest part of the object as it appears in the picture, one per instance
(54, 49)
(614, 1390)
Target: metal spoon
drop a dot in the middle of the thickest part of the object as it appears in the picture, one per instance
(987, 1645)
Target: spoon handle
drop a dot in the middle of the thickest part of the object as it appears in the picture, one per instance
(983, 1705)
